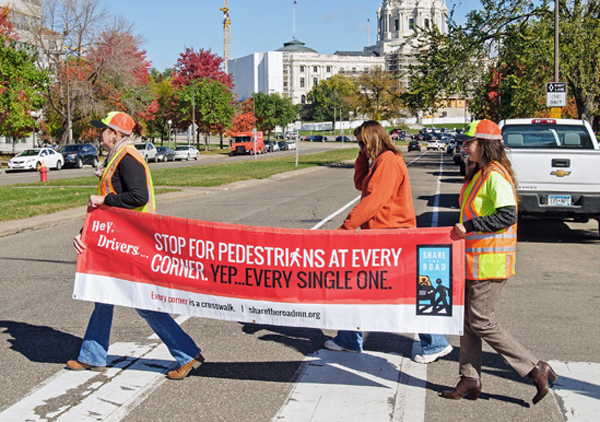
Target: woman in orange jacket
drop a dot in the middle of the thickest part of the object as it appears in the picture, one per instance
(386, 203)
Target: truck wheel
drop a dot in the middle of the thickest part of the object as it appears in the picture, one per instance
(79, 163)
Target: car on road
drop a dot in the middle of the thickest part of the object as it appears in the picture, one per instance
(165, 154)
(148, 151)
(316, 138)
(414, 145)
(451, 146)
(283, 146)
(31, 159)
(275, 146)
(292, 135)
(291, 145)
(342, 139)
(434, 144)
(78, 155)
(186, 152)
(269, 146)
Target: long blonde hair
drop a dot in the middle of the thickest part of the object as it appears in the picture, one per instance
(376, 139)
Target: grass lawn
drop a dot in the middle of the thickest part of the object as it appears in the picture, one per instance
(28, 200)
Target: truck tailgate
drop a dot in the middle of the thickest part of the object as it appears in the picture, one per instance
(556, 171)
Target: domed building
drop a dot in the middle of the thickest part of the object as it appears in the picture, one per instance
(295, 68)
(396, 23)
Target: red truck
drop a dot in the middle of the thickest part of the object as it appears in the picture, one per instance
(243, 143)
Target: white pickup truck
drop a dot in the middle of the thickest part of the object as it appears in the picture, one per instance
(557, 166)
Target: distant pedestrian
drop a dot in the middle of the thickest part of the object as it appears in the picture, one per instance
(386, 203)
(125, 182)
(488, 223)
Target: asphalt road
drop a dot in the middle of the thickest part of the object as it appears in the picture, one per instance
(250, 370)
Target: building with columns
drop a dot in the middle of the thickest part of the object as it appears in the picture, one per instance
(294, 69)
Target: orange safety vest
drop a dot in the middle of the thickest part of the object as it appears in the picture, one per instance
(105, 185)
(489, 256)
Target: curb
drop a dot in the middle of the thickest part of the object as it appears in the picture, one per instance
(8, 228)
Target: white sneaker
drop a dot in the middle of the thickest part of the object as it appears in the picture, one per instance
(331, 345)
(422, 358)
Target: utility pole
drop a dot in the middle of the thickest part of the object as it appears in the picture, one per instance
(556, 32)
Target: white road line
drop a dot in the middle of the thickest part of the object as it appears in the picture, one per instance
(436, 201)
(331, 216)
(135, 371)
(578, 387)
(342, 386)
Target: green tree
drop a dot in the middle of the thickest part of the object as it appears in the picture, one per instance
(160, 85)
(508, 47)
(327, 97)
(212, 102)
(272, 110)
(21, 85)
(377, 95)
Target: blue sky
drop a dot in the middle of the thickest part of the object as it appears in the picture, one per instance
(257, 25)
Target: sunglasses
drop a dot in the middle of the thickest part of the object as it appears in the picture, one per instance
(361, 144)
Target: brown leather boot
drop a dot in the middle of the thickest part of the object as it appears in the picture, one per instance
(466, 385)
(181, 372)
(75, 365)
(540, 374)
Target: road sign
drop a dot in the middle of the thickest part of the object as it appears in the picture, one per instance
(556, 94)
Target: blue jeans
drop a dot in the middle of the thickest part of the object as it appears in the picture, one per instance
(95, 343)
(433, 343)
(353, 340)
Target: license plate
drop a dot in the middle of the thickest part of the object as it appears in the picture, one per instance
(559, 200)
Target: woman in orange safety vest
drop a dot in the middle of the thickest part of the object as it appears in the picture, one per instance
(488, 223)
(125, 182)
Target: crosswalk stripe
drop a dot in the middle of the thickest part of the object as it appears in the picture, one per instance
(133, 372)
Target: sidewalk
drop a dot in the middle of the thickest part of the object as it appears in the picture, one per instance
(34, 223)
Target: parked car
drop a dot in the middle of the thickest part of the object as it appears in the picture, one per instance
(275, 146)
(451, 145)
(292, 135)
(291, 145)
(269, 146)
(316, 138)
(186, 152)
(148, 151)
(435, 145)
(342, 139)
(414, 145)
(279, 136)
(30, 159)
(397, 136)
(283, 146)
(165, 154)
(79, 154)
